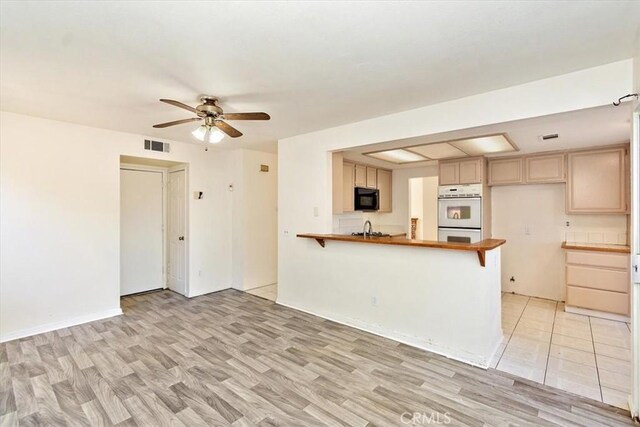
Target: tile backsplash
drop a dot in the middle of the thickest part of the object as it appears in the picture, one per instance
(601, 236)
(353, 223)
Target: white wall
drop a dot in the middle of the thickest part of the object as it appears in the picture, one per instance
(304, 162)
(60, 228)
(255, 220)
(533, 221)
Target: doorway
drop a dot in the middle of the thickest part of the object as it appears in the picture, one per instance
(177, 276)
(423, 207)
(153, 225)
(141, 230)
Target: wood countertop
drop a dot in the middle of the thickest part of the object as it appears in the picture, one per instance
(620, 249)
(480, 247)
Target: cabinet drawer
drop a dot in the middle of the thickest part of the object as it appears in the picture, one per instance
(598, 259)
(594, 299)
(597, 278)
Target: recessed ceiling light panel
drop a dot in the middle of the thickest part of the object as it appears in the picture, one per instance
(397, 156)
(442, 150)
(484, 145)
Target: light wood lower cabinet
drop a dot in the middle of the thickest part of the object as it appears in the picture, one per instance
(598, 281)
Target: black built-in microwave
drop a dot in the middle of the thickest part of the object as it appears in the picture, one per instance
(366, 199)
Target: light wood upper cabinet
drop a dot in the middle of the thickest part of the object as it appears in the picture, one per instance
(546, 168)
(372, 177)
(348, 184)
(596, 181)
(384, 185)
(346, 176)
(463, 171)
(449, 173)
(505, 171)
(470, 171)
(360, 176)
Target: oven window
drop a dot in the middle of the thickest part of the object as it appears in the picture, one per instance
(458, 239)
(459, 212)
(366, 201)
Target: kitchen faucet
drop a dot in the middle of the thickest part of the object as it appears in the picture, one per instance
(364, 229)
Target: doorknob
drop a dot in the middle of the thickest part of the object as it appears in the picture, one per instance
(181, 238)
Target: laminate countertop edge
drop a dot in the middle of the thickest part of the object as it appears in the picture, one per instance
(480, 247)
(597, 248)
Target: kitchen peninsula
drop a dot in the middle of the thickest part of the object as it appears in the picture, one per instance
(439, 296)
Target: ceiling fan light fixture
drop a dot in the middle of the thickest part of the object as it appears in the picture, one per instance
(208, 134)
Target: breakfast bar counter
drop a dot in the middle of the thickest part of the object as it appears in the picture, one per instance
(480, 247)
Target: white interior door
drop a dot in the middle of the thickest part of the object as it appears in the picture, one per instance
(141, 235)
(177, 232)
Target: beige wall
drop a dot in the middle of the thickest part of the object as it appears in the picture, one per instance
(60, 221)
(533, 221)
(255, 220)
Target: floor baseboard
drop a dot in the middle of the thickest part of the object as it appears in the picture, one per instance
(47, 327)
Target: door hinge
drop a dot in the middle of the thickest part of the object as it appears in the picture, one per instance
(635, 268)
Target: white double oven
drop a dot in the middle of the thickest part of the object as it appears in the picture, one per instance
(460, 213)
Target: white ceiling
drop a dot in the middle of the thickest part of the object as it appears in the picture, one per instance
(576, 129)
(310, 65)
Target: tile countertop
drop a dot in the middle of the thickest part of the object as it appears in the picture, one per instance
(599, 247)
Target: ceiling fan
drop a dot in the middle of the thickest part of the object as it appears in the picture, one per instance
(213, 117)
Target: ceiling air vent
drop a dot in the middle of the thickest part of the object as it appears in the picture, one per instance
(156, 146)
(549, 136)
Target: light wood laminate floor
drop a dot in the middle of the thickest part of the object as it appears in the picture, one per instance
(230, 358)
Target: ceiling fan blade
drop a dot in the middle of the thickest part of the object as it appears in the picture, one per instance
(179, 105)
(246, 116)
(228, 129)
(176, 122)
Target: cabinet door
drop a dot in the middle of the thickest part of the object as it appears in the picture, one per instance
(596, 181)
(505, 171)
(470, 171)
(547, 168)
(372, 177)
(384, 185)
(449, 173)
(361, 176)
(348, 184)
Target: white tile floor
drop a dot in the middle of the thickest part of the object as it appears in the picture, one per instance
(585, 355)
(580, 354)
(268, 292)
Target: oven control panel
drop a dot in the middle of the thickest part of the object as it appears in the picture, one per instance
(453, 191)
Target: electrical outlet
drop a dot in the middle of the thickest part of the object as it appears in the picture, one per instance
(374, 301)
(568, 224)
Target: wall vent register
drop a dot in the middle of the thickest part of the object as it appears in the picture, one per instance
(156, 146)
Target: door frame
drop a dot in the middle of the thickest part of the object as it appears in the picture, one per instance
(185, 168)
(634, 234)
(163, 171)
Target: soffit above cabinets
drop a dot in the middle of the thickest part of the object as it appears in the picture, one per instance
(459, 148)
